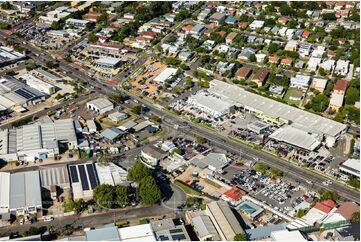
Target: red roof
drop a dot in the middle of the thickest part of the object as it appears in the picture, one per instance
(148, 33)
(243, 24)
(341, 85)
(305, 34)
(234, 193)
(187, 27)
(286, 61)
(325, 206)
(347, 209)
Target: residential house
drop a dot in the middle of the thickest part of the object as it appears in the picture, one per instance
(243, 73)
(319, 84)
(217, 18)
(260, 58)
(261, 76)
(273, 60)
(230, 37)
(256, 24)
(291, 45)
(282, 20)
(286, 62)
(342, 67)
(300, 82)
(246, 54)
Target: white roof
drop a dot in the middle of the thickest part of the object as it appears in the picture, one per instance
(100, 103)
(210, 102)
(297, 137)
(79, 21)
(108, 61)
(285, 235)
(110, 174)
(276, 109)
(353, 164)
(137, 233)
(319, 83)
(4, 190)
(336, 99)
(165, 74)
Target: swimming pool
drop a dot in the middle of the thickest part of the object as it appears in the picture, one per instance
(245, 207)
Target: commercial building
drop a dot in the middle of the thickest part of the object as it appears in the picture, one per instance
(78, 23)
(37, 141)
(92, 127)
(169, 229)
(258, 127)
(108, 62)
(351, 167)
(210, 104)
(143, 232)
(108, 233)
(9, 56)
(112, 134)
(54, 175)
(216, 162)
(166, 74)
(100, 105)
(277, 112)
(152, 155)
(84, 179)
(117, 116)
(224, 220)
(285, 235)
(46, 76)
(298, 137)
(111, 174)
(204, 228)
(38, 84)
(20, 193)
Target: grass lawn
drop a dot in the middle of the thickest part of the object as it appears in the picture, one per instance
(187, 189)
(292, 92)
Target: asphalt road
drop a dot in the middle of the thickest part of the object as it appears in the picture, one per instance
(289, 169)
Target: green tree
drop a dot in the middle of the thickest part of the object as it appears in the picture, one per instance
(103, 18)
(104, 195)
(137, 109)
(176, 151)
(354, 182)
(200, 140)
(155, 118)
(122, 195)
(355, 217)
(252, 58)
(149, 192)
(262, 168)
(76, 206)
(319, 103)
(92, 38)
(117, 97)
(4, 25)
(188, 83)
(138, 172)
(300, 213)
(240, 237)
(276, 173)
(273, 48)
(49, 64)
(326, 195)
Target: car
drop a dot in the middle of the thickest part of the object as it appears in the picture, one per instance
(48, 218)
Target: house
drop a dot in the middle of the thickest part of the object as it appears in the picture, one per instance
(246, 54)
(231, 21)
(233, 195)
(243, 73)
(152, 155)
(336, 101)
(340, 86)
(306, 34)
(187, 28)
(198, 30)
(342, 67)
(256, 24)
(217, 18)
(100, 105)
(343, 213)
(291, 45)
(304, 49)
(112, 134)
(230, 37)
(185, 55)
(318, 52)
(260, 57)
(319, 84)
(261, 76)
(299, 64)
(328, 65)
(282, 20)
(300, 82)
(313, 63)
(273, 60)
(286, 62)
(243, 25)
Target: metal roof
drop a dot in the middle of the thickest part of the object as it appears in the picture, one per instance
(4, 190)
(111, 133)
(204, 227)
(100, 103)
(54, 175)
(25, 190)
(103, 234)
(276, 109)
(263, 231)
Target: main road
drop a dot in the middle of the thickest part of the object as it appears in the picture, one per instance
(290, 170)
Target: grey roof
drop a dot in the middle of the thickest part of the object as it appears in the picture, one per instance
(100, 103)
(276, 110)
(111, 133)
(197, 28)
(204, 227)
(25, 190)
(216, 160)
(127, 125)
(48, 74)
(54, 175)
(103, 234)
(264, 232)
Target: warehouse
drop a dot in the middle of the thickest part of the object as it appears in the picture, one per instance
(33, 141)
(165, 75)
(351, 167)
(277, 112)
(109, 62)
(100, 105)
(45, 75)
(38, 84)
(84, 179)
(25, 193)
(210, 104)
(9, 56)
(54, 175)
(111, 174)
(92, 127)
(297, 137)
(4, 192)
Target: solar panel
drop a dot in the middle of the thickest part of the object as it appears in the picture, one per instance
(178, 237)
(74, 174)
(24, 94)
(83, 178)
(175, 231)
(92, 176)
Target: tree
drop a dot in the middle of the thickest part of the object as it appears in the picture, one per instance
(262, 168)
(76, 206)
(319, 103)
(355, 218)
(276, 173)
(252, 58)
(326, 195)
(4, 25)
(49, 64)
(104, 195)
(137, 109)
(176, 151)
(149, 192)
(329, 16)
(273, 48)
(138, 172)
(300, 213)
(92, 38)
(122, 195)
(103, 18)
(155, 118)
(189, 83)
(118, 98)
(200, 140)
(354, 182)
(240, 237)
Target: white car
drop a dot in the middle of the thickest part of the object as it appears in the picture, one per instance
(48, 218)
